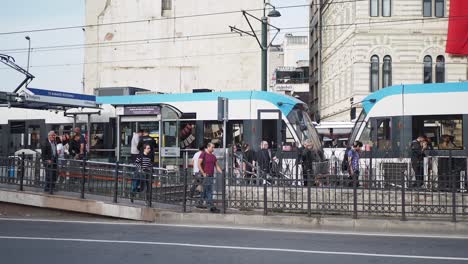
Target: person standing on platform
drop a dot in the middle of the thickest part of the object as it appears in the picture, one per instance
(49, 157)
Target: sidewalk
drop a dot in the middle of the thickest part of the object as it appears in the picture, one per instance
(171, 214)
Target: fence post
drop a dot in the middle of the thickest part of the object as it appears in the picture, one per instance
(355, 182)
(116, 181)
(403, 198)
(149, 197)
(184, 205)
(265, 197)
(22, 171)
(309, 195)
(223, 183)
(83, 179)
(454, 189)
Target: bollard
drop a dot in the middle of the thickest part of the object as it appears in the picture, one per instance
(83, 179)
(22, 171)
(116, 181)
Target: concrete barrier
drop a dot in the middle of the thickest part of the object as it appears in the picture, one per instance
(77, 205)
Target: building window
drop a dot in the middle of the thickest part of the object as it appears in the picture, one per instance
(440, 69)
(374, 73)
(386, 8)
(428, 69)
(439, 8)
(387, 71)
(166, 5)
(374, 8)
(427, 8)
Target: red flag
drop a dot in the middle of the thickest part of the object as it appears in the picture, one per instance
(457, 37)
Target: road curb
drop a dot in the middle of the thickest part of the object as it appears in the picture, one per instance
(315, 222)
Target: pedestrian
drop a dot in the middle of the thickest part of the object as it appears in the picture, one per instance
(75, 147)
(197, 180)
(353, 163)
(49, 157)
(310, 159)
(264, 161)
(134, 145)
(237, 161)
(418, 146)
(61, 158)
(248, 164)
(144, 170)
(147, 139)
(82, 142)
(207, 163)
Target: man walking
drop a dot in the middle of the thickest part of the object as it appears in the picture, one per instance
(197, 179)
(207, 163)
(264, 161)
(418, 146)
(82, 142)
(134, 146)
(49, 157)
(353, 160)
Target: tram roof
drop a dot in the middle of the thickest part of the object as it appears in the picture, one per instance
(284, 102)
(371, 100)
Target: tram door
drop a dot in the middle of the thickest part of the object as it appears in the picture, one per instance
(27, 134)
(270, 127)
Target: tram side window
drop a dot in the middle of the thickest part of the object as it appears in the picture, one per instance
(237, 132)
(366, 137)
(444, 132)
(383, 134)
(187, 135)
(213, 132)
(97, 135)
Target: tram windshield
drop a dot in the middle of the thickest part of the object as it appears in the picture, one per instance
(357, 126)
(300, 121)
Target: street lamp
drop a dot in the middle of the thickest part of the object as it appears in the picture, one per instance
(29, 51)
(264, 45)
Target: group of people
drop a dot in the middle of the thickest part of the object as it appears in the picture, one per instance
(57, 148)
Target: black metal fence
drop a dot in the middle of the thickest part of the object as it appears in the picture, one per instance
(385, 187)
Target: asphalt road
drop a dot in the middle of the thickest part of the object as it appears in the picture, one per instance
(35, 241)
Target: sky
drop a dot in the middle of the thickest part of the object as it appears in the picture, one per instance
(25, 15)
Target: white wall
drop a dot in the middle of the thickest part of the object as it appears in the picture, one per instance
(347, 50)
(169, 61)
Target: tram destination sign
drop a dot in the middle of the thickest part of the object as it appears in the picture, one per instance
(142, 110)
(60, 98)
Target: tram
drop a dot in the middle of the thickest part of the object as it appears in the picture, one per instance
(393, 117)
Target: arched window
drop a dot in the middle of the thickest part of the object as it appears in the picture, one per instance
(387, 71)
(428, 69)
(374, 73)
(440, 69)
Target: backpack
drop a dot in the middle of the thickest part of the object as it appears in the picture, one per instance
(345, 162)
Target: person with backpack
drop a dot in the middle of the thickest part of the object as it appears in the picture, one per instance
(353, 163)
(206, 164)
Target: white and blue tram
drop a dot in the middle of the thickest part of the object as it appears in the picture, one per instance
(394, 116)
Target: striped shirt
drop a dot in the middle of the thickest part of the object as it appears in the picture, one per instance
(143, 163)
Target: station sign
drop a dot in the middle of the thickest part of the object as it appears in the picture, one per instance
(170, 152)
(60, 98)
(139, 110)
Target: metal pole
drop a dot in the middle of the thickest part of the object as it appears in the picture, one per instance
(29, 52)
(184, 205)
(116, 181)
(83, 179)
(264, 52)
(149, 185)
(22, 171)
(454, 191)
(88, 134)
(223, 179)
